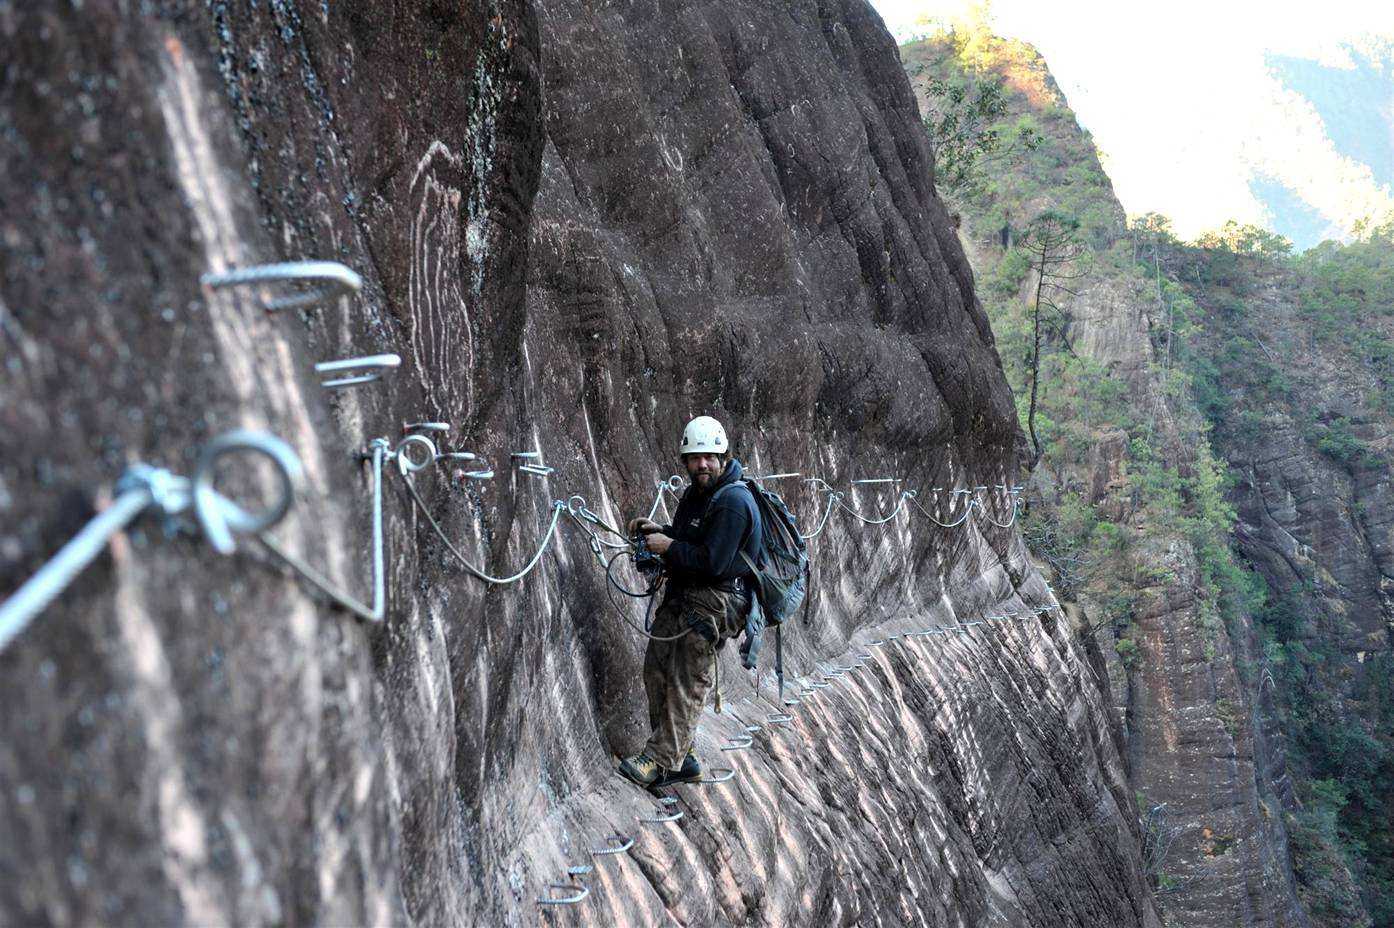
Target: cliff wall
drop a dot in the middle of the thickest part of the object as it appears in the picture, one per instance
(577, 224)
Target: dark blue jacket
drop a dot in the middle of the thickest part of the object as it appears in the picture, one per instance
(707, 540)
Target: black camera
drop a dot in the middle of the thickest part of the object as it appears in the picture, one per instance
(645, 561)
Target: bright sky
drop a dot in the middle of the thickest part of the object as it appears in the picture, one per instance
(1180, 101)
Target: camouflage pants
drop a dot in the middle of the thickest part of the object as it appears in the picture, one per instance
(678, 674)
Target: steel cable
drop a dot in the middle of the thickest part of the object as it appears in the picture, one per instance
(908, 494)
(557, 508)
(967, 511)
(833, 498)
(377, 611)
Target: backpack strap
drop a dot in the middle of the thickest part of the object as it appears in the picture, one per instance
(719, 490)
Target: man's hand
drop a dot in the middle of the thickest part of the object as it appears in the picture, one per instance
(659, 543)
(643, 525)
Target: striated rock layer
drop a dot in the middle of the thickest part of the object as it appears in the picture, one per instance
(577, 224)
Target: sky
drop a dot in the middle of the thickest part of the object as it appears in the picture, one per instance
(1188, 102)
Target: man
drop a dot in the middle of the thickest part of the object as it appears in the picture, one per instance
(706, 600)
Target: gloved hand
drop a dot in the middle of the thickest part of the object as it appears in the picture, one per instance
(647, 526)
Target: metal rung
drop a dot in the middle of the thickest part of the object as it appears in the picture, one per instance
(578, 893)
(354, 381)
(426, 427)
(480, 474)
(526, 455)
(661, 818)
(878, 480)
(455, 456)
(331, 279)
(752, 729)
(359, 370)
(779, 718)
(820, 686)
(736, 743)
(624, 845)
(536, 470)
(579, 870)
(719, 775)
(667, 800)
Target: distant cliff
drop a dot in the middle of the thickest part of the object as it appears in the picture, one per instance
(577, 225)
(1215, 470)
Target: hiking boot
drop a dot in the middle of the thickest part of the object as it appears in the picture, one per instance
(689, 772)
(640, 769)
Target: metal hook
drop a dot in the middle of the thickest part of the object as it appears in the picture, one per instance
(405, 464)
(334, 280)
(718, 775)
(374, 364)
(662, 818)
(219, 516)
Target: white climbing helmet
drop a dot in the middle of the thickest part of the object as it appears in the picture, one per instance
(703, 435)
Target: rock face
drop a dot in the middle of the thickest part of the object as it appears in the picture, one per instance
(1197, 740)
(577, 225)
(1307, 435)
(1198, 749)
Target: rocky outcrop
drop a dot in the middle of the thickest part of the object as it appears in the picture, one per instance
(577, 225)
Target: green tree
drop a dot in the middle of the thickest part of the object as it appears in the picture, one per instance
(1052, 242)
(962, 133)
